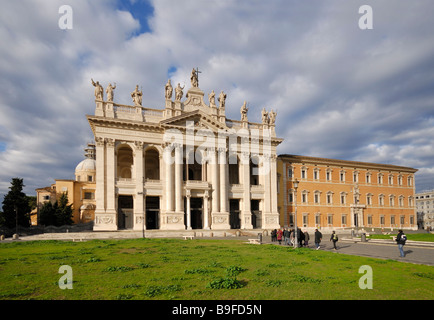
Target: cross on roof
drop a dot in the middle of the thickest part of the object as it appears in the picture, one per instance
(197, 73)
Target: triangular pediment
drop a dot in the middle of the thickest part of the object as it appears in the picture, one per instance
(196, 118)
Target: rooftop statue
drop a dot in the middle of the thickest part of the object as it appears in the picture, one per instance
(211, 98)
(194, 78)
(272, 115)
(264, 116)
(222, 99)
(99, 91)
(243, 111)
(178, 92)
(169, 90)
(110, 92)
(137, 96)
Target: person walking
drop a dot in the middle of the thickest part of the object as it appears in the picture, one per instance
(279, 236)
(318, 238)
(400, 240)
(273, 235)
(306, 238)
(291, 236)
(286, 237)
(334, 238)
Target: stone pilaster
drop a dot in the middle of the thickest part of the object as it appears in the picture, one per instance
(139, 196)
(246, 214)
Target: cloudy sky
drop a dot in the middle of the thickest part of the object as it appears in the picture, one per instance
(340, 91)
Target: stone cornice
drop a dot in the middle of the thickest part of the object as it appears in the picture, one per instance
(122, 123)
(344, 163)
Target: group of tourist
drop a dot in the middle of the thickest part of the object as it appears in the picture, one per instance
(288, 237)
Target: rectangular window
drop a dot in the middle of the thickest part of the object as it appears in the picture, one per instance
(290, 197)
(89, 195)
(305, 220)
(344, 219)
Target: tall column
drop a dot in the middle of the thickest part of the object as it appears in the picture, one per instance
(110, 214)
(219, 219)
(139, 196)
(215, 183)
(265, 172)
(271, 217)
(100, 175)
(178, 178)
(224, 179)
(188, 210)
(246, 214)
(169, 178)
(111, 176)
(273, 173)
(100, 218)
(205, 210)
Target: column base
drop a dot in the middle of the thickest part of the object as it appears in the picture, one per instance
(271, 221)
(172, 220)
(105, 221)
(220, 220)
(246, 220)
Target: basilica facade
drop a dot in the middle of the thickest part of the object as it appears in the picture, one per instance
(184, 166)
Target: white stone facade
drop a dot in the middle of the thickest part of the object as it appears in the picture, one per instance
(183, 167)
(425, 209)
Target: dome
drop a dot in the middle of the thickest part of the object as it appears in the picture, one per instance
(86, 165)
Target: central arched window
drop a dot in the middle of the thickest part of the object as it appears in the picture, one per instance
(152, 164)
(124, 162)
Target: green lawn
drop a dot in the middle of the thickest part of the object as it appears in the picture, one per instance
(410, 236)
(200, 269)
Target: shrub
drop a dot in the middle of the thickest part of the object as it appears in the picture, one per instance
(118, 269)
(233, 271)
(225, 283)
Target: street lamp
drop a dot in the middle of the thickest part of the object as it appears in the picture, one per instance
(295, 185)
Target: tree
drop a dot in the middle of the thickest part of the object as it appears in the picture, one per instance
(47, 215)
(63, 211)
(57, 214)
(16, 203)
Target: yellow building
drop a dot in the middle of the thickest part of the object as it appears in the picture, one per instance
(334, 194)
(81, 191)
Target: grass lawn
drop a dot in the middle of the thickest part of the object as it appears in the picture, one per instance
(200, 269)
(410, 236)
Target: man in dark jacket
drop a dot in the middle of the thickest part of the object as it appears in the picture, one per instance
(318, 238)
(400, 240)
